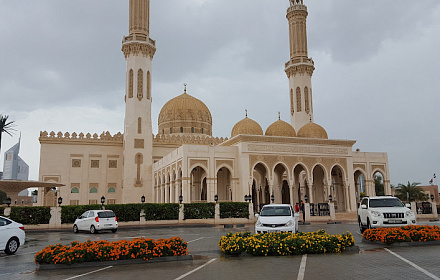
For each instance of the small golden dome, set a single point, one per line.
(312, 130)
(185, 114)
(281, 128)
(246, 126)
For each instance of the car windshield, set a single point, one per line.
(385, 202)
(107, 214)
(275, 211)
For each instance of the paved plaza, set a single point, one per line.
(372, 261)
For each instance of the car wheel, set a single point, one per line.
(12, 246)
(361, 226)
(75, 229)
(93, 229)
(114, 230)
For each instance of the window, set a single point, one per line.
(202, 130)
(306, 99)
(111, 201)
(93, 201)
(140, 84)
(292, 104)
(74, 190)
(148, 85)
(74, 202)
(111, 190)
(93, 190)
(181, 130)
(171, 130)
(192, 129)
(298, 99)
(130, 84)
(139, 125)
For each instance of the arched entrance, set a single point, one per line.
(198, 184)
(300, 177)
(359, 180)
(260, 182)
(280, 184)
(337, 189)
(285, 193)
(379, 183)
(224, 190)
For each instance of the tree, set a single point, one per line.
(415, 193)
(6, 127)
(378, 185)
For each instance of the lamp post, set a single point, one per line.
(432, 197)
(8, 201)
(216, 198)
(272, 198)
(143, 199)
(60, 200)
(181, 199)
(330, 198)
(306, 198)
(102, 200)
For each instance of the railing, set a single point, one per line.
(424, 207)
(320, 209)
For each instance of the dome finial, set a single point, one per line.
(246, 112)
(185, 84)
(279, 115)
(310, 118)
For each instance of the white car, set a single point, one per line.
(96, 220)
(277, 218)
(12, 235)
(384, 211)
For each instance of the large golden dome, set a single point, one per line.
(281, 128)
(312, 130)
(246, 126)
(185, 114)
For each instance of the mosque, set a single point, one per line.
(287, 163)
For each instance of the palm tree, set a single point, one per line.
(411, 189)
(6, 127)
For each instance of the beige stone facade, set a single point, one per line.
(286, 164)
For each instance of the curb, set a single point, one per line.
(43, 267)
(402, 244)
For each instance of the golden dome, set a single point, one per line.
(312, 130)
(185, 114)
(281, 128)
(246, 126)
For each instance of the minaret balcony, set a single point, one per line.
(298, 61)
(138, 38)
(297, 7)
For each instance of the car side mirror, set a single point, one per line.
(80, 217)
(408, 205)
(257, 215)
(363, 206)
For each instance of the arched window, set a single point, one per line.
(192, 129)
(93, 190)
(74, 190)
(181, 130)
(306, 99)
(148, 85)
(202, 131)
(171, 130)
(130, 83)
(111, 190)
(140, 83)
(298, 99)
(139, 125)
(292, 104)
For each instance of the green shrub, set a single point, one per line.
(2, 211)
(126, 212)
(234, 210)
(161, 211)
(199, 211)
(69, 213)
(31, 215)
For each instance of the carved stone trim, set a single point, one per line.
(135, 48)
(76, 163)
(112, 164)
(139, 143)
(296, 150)
(94, 163)
(288, 140)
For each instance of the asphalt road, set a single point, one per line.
(372, 262)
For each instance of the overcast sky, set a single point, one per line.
(376, 81)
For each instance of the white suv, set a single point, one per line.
(96, 220)
(384, 211)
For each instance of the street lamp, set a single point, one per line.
(8, 201)
(330, 198)
(102, 200)
(181, 199)
(272, 198)
(306, 198)
(216, 198)
(432, 197)
(143, 199)
(60, 200)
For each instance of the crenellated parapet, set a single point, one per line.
(81, 138)
(182, 139)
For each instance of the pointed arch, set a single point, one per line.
(140, 84)
(306, 99)
(130, 83)
(298, 99)
(292, 104)
(148, 85)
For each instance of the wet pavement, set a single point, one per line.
(372, 262)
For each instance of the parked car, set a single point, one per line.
(277, 218)
(12, 235)
(384, 211)
(96, 220)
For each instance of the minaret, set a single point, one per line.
(138, 50)
(300, 67)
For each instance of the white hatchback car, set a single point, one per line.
(96, 220)
(12, 235)
(277, 218)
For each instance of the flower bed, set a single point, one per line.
(403, 234)
(92, 251)
(282, 244)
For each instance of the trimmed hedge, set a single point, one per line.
(234, 210)
(199, 211)
(31, 215)
(161, 211)
(126, 212)
(2, 211)
(69, 213)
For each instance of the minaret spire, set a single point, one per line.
(140, 17)
(300, 67)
